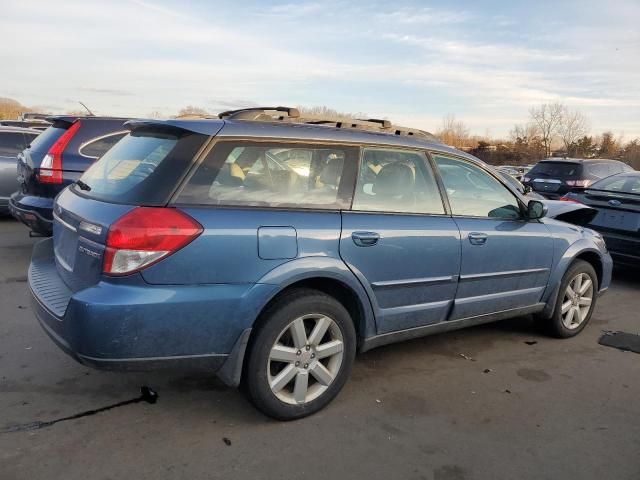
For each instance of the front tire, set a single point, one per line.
(300, 355)
(576, 301)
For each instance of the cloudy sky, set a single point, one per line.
(413, 62)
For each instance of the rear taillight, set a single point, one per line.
(51, 166)
(568, 199)
(578, 183)
(145, 235)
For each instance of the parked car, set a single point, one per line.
(617, 201)
(12, 141)
(524, 190)
(515, 171)
(553, 178)
(269, 248)
(56, 159)
(34, 124)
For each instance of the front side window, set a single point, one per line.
(396, 181)
(475, 193)
(273, 174)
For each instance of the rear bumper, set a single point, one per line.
(35, 212)
(131, 325)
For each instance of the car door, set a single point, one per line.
(399, 241)
(506, 259)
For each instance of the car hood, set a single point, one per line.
(570, 212)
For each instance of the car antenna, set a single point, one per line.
(87, 109)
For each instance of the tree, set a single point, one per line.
(584, 147)
(573, 125)
(191, 111)
(526, 143)
(631, 154)
(10, 109)
(453, 132)
(609, 147)
(326, 112)
(547, 117)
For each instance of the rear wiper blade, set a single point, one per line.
(83, 186)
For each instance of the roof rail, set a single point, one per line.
(254, 113)
(292, 115)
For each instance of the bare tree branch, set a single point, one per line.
(547, 117)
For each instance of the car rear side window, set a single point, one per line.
(396, 181)
(287, 175)
(473, 192)
(47, 138)
(142, 169)
(97, 147)
(11, 144)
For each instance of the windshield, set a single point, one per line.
(619, 183)
(142, 168)
(555, 170)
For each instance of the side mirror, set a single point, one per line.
(536, 210)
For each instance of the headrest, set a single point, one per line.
(394, 179)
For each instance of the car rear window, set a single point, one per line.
(47, 138)
(556, 170)
(143, 168)
(275, 174)
(619, 183)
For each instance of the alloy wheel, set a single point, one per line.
(305, 359)
(577, 300)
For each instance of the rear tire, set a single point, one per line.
(300, 355)
(575, 302)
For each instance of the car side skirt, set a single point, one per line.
(446, 326)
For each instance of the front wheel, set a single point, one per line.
(301, 355)
(575, 302)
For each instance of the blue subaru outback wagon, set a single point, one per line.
(269, 248)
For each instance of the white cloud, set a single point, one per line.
(130, 57)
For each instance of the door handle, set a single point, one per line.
(477, 238)
(365, 239)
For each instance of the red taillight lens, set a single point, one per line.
(578, 183)
(51, 166)
(145, 235)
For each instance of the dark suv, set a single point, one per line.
(554, 178)
(56, 159)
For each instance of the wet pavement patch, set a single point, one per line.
(627, 342)
(146, 395)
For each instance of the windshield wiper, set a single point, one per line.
(83, 186)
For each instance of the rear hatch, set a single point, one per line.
(617, 212)
(30, 159)
(132, 181)
(64, 151)
(554, 177)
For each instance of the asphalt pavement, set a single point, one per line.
(498, 401)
